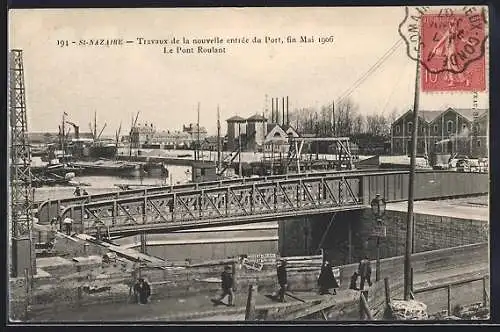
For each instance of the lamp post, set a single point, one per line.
(378, 209)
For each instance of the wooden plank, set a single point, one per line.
(364, 306)
(456, 283)
(311, 310)
(250, 308)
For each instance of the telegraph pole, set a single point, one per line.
(411, 187)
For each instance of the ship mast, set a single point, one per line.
(63, 135)
(218, 140)
(197, 145)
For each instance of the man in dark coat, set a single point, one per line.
(326, 280)
(354, 281)
(142, 291)
(77, 192)
(227, 285)
(365, 272)
(282, 280)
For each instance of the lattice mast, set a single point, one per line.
(20, 171)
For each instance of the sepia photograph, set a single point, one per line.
(248, 164)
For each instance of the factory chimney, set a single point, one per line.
(283, 110)
(287, 114)
(277, 110)
(272, 110)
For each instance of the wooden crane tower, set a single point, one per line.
(21, 194)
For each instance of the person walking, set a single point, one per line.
(365, 272)
(142, 291)
(227, 286)
(354, 281)
(326, 280)
(282, 280)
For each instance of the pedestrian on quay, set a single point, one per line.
(142, 291)
(77, 192)
(282, 280)
(326, 280)
(85, 193)
(354, 281)
(365, 272)
(227, 286)
(67, 225)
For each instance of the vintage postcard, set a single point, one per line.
(243, 164)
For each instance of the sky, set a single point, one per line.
(117, 82)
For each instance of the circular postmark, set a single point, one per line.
(444, 39)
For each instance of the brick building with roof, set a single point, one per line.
(449, 131)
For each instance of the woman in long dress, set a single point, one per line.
(326, 280)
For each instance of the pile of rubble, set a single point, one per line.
(475, 311)
(408, 310)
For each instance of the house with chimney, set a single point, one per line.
(453, 130)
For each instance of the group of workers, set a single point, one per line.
(326, 280)
(80, 192)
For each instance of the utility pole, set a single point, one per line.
(411, 187)
(219, 166)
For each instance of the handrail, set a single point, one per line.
(208, 190)
(450, 284)
(224, 181)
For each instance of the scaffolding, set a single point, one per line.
(342, 149)
(21, 193)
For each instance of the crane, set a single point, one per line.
(76, 128)
(21, 193)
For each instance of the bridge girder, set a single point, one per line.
(217, 205)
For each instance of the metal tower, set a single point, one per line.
(21, 194)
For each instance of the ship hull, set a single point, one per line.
(102, 151)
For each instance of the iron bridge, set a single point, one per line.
(263, 200)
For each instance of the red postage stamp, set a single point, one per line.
(453, 52)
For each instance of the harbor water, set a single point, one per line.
(102, 184)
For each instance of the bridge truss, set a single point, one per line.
(244, 203)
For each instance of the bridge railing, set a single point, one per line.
(260, 201)
(255, 201)
(51, 208)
